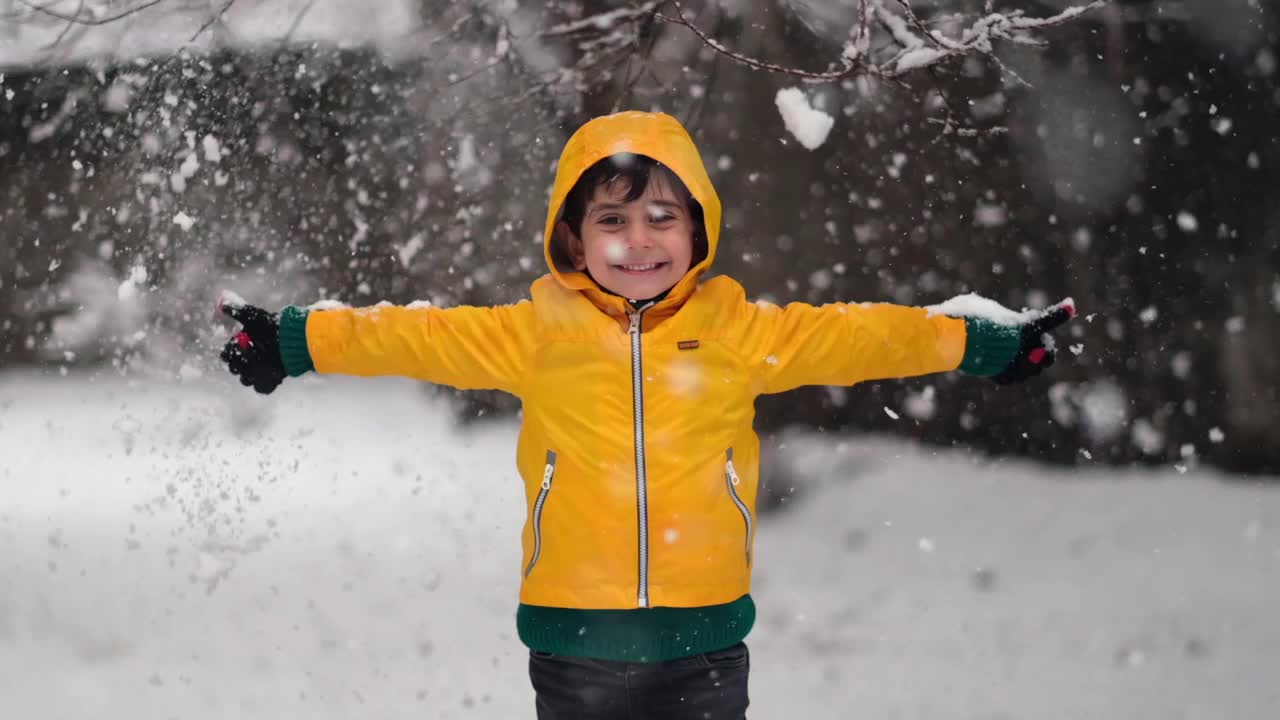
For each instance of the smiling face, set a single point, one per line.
(637, 249)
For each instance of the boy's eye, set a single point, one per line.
(611, 220)
(660, 217)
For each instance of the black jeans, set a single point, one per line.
(710, 686)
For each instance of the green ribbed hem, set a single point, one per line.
(293, 341)
(989, 347)
(641, 635)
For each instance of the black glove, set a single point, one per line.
(1036, 351)
(254, 352)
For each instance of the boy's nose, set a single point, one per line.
(638, 237)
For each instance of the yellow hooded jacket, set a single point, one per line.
(639, 461)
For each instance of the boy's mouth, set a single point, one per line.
(641, 268)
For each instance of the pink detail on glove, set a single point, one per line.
(1036, 356)
(242, 339)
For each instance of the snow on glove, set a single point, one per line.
(1036, 350)
(254, 352)
(1004, 345)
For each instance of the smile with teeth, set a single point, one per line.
(645, 267)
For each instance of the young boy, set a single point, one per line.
(638, 385)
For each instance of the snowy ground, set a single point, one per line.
(338, 550)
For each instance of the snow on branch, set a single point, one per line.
(908, 44)
(603, 21)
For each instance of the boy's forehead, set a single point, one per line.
(615, 190)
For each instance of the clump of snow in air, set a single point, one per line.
(921, 405)
(1187, 222)
(117, 97)
(132, 285)
(1181, 364)
(892, 415)
(1061, 404)
(989, 215)
(1146, 437)
(1105, 409)
(212, 149)
(410, 249)
(189, 166)
(183, 220)
(808, 125)
(466, 153)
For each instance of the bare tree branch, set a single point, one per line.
(78, 17)
(629, 83)
(911, 44)
(851, 66)
(65, 30)
(452, 33)
(213, 19)
(297, 21)
(501, 50)
(887, 40)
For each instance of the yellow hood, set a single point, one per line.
(658, 136)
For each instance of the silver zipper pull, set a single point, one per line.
(733, 474)
(546, 476)
(635, 317)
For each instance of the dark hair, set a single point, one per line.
(636, 171)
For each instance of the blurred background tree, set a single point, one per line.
(152, 153)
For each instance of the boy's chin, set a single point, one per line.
(638, 290)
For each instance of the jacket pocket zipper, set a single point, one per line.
(731, 480)
(548, 473)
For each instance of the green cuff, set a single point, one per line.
(989, 347)
(293, 341)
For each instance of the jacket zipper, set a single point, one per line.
(547, 473)
(732, 480)
(642, 489)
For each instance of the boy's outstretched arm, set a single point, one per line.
(847, 343)
(465, 347)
